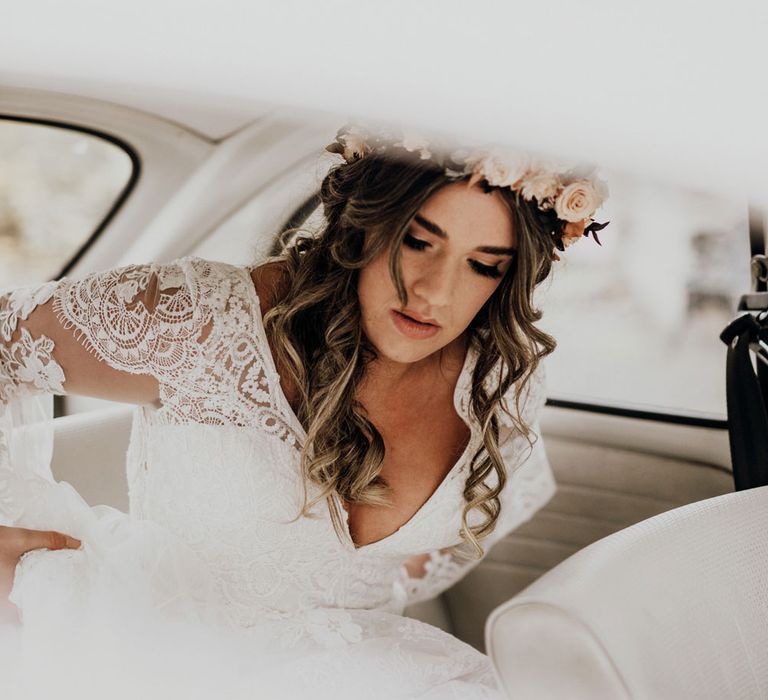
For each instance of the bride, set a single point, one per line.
(319, 441)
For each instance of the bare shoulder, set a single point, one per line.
(271, 282)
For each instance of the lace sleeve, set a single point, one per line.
(84, 336)
(172, 335)
(27, 364)
(113, 335)
(529, 486)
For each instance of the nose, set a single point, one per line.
(434, 284)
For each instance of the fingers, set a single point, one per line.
(36, 539)
(57, 540)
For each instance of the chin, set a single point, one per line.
(404, 351)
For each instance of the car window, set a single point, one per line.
(56, 187)
(637, 319)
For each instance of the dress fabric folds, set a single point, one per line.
(211, 586)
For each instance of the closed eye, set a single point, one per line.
(415, 243)
(419, 244)
(485, 270)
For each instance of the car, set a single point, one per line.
(99, 173)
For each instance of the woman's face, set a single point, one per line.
(454, 256)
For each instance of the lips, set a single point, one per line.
(419, 318)
(411, 327)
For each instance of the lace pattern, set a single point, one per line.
(217, 463)
(26, 365)
(191, 325)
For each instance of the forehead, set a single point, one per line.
(470, 215)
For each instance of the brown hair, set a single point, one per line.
(315, 330)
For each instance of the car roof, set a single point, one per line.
(663, 89)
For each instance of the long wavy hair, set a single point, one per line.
(316, 333)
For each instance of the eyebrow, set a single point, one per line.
(432, 227)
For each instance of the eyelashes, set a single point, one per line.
(483, 270)
(415, 243)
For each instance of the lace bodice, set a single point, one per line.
(216, 460)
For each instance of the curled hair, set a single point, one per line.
(316, 332)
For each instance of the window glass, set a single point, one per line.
(637, 319)
(56, 186)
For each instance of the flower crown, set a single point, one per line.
(566, 197)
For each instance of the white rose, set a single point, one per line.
(354, 143)
(577, 201)
(541, 186)
(412, 141)
(498, 172)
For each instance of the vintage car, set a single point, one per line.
(126, 158)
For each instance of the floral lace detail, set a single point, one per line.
(17, 304)
(192, 325)
(441, 570)
(26, 365)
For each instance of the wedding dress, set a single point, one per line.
(212, 586)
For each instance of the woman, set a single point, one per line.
(321, 440)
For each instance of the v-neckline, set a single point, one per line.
(460, 388)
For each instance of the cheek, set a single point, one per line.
(413, 265)
(474, 296)
(374, 287)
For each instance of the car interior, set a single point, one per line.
(635, 426)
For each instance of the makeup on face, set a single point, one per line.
(458, 247)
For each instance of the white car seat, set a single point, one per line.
(673, 607)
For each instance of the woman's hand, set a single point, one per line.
(15, 541)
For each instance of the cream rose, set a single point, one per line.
(499, 173)
(541, 186)
(412, 141)
(577, 201)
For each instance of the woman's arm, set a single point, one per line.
(101, 336)
(112, 335)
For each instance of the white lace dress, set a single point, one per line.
(211, 586)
